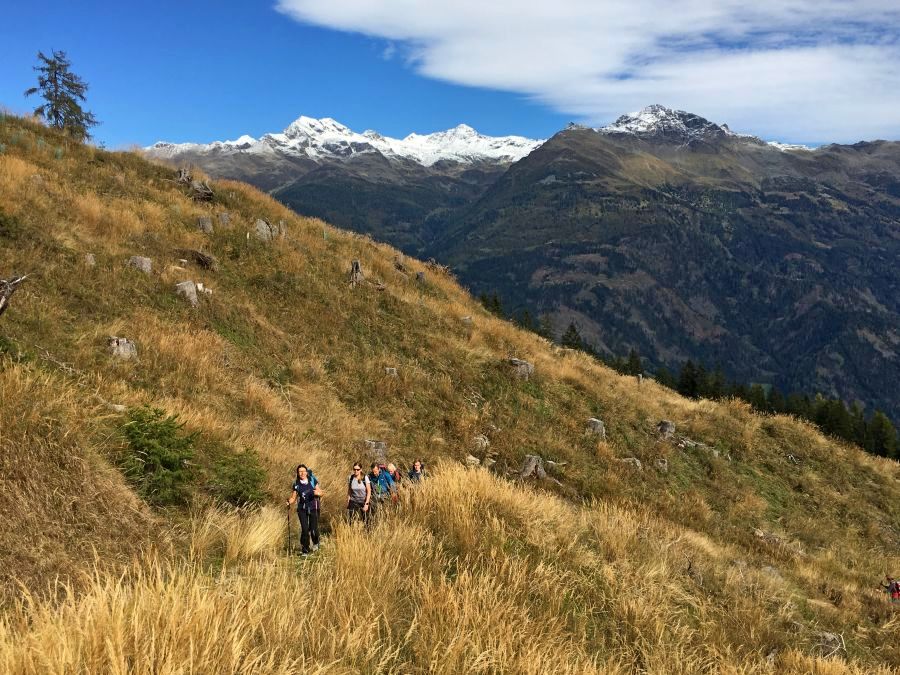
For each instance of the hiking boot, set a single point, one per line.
(315, 547)
(303, 554)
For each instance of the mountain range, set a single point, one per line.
(662, 231)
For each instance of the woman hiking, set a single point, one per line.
(417, 472)
(306, 493)
(359, 495)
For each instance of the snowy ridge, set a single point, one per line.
(320, 139)
(657, 120)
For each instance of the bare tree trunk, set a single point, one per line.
(7, 288)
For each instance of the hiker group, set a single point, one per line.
(366, 495)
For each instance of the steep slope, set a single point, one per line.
(671, 234)
(736, 546)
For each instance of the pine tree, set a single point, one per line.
(526, 321)
(859, 428)
(687, 380)
(716, 384)
(572, 338)
(757, 397)
(665, 378)
(634, 365)
(497, 305)
(545, 327)
(882, 435)
(62, 91)
(775, 400)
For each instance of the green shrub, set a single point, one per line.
(10, 227)
(157, 459)
(238, 479)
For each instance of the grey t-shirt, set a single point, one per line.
(358, 489)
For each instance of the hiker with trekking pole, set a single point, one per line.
(383, 487)
(307, 494)
(359, 495)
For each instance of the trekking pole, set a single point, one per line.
(290, 545)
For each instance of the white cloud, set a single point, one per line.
(798, 70)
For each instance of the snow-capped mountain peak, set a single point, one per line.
(326, 138)
(659, 120)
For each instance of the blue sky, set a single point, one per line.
(807, 71)
(197, 71)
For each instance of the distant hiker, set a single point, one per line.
(396, 476)
(382, 486)
(306, 493)
(395, 473)
(359, 495)
(893, 588)
(417, 472)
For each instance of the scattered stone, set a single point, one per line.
(767, 537)
(201, 191)
(398, 264)
(687, 444)
(553, 466)
(522, 369)
(830, 644)
(264, 231)
(467, 321)
(662, 465)
(472, 461)
(390, 371)
(596, 426)
(481, 442)
(489, 462)
(122, 348)
(533, 466)
(201, 259)
(377, 449)
(90, 260)
(116, 407)
(666, 429)
(420, 277)
(188, 289)
(205, 225)
(356, 275)
(37, 179)
(183, 262)
(224, 218)
(633, 461)
(145, 265)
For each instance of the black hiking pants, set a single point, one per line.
(309, 527)
(355, 512)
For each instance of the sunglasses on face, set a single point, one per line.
(355, 469)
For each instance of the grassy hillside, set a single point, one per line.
(760, 536)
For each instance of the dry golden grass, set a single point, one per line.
(539, 586)
(613, 570)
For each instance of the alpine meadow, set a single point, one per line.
(178, 344)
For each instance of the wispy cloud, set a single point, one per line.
(798, 70)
